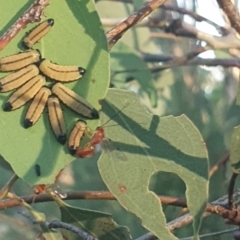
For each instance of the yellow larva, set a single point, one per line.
(37, 106)
(74, 101)
(20, 60)
(76, 135)
(61, 73)
(24, 93)
(38, 32)
(17, 79)
(56, 119)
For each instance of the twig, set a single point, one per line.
(117, 32)
(230, 40)
(8, 186)
(199, 61)
(212, 234)
(231, 12)
(59, 224)
(215, 167)
(226, 63)
(181, 60)
(194, 62)
(69, 227)
(195, 16)
(32, 14)
(94, 195)
(147, 22)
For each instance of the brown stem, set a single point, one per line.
(231, 12)
(215, 167)
(33, 14)
(117, 32)
(194, 15)
(90, 195)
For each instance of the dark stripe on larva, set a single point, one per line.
(77, 100)
(26, 91)
(14, 79)
(56, 113)
(38, 33)
(37, 105)
(18, 60)
(60, 71)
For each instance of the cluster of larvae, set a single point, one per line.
(29, 75)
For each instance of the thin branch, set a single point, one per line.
(59, 224)
(33, 14)
(161, 34)
(8, 186)
(217, 207)
(147, 22)
(210, 62)
(232, 13)
(94, 195)
(215, 167)
(195, 16)
(69, 227)
(117, 32)
(212, 234)
(226, 63)
(179, 28)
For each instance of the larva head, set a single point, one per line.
(7, 107)
(62, 139)
(27, 123)
(94, 114)
(50, 22)
(82, 71)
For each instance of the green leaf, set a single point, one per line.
(97, 224)
(126, 59)
(77, 38)
(151, 144)
(235, 150)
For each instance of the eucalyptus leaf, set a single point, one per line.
(97, 224)
(77, 38)
(151, 144)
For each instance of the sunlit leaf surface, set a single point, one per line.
(77, 38)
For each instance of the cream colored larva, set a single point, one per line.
(74, 101)
(61, 73)
(37, 33)
(17, 79)
(37, 106)
(24, 93)
(56, 119)
(20, 60)
(76, 135)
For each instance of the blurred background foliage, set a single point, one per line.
(205, 94)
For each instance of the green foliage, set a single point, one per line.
(98, 224)
(152, 144)
(77, 38)
(145, 144)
